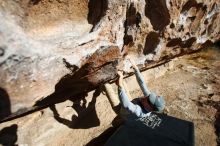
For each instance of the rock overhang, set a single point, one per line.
(40, 37)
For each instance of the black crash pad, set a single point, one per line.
(154, 130)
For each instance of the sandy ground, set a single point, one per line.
(190, 85)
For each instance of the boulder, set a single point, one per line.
(53, 49)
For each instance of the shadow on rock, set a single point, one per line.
(8, 135)
(116, 123)
(97, 9)
(87, 116)
(95, 71)
(104, 136)
(5, 105)
(98, 69)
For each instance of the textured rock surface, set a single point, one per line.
(189, 84)
(63, 47)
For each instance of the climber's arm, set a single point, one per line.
(140, 79)
(112, 97)
(124, 100)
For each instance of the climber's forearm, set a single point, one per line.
(141, 82)
(124, 100)
(140, 78)
(127, 104)
(120, 83)
(112, 97)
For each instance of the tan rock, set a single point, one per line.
(43, 41)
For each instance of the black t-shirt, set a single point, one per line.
(154, 130)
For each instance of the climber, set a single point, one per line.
(142, 124)
(142, 106)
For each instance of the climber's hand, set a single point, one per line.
(120, 79)
(133, 63)
(120, 74)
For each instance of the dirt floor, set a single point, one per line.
(192, 92)
(190, 85)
